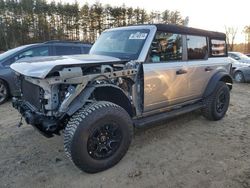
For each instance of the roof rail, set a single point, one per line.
(62, 41)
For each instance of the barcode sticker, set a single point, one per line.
(138, 36)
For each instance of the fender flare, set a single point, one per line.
(80, 100)
(219, 76)
(85, 95)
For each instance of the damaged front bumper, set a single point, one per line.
(47, 126)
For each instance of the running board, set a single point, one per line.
(147, 121)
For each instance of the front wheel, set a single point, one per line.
(98, 136)
(4, 93)
(216, 105)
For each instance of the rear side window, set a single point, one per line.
(218, 48)
(86, 50)
(197, 47)
(67, 50)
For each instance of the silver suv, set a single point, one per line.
(133, 77)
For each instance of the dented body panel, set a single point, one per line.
(40, 67)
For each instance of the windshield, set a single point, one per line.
(123, 44)
(10, 52)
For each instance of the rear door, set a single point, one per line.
(199, 67)
(201, 64)
(165, 81)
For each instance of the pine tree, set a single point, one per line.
(29, 21)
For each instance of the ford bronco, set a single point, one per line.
(133, 77)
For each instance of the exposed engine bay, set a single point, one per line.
(46, 103)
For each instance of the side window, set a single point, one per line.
(197, 47)
(234, 56)
(86, 50)
(166, 47)
(67, 50)
(218, 48)
(8, 62)
(39, 51)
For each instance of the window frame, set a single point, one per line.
(34, 48)
(148, 61)
(208, 48)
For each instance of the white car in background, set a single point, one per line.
(239, 57)
(241, 71)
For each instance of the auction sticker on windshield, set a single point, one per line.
(138, 35)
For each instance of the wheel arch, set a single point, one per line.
(114, 95)
(219, 76)
(105, 92)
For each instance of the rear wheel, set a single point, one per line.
(217, 103)
(4, 92)
(98, 136)
(239, 77)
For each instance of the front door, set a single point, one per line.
(165, 81)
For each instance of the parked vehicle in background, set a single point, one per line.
(247, 55)
(239, 57)
(50, 48)
(240, 71)
(133, 76)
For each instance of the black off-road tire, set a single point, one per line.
(4, 92)
(211, 109)
(84, 123)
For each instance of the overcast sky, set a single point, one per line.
(209, 14)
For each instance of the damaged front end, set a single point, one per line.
(47, 102)
(31, 104)
(45, 124)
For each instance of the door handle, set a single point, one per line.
(181, 71)
(208, 69)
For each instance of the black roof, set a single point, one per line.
(66, 42)
(189, 30)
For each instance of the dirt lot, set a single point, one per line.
(185, 152)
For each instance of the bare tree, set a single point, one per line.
(247, 38)
(230, 34)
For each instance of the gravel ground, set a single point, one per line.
(188, 151)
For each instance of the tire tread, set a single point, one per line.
(76, 121)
